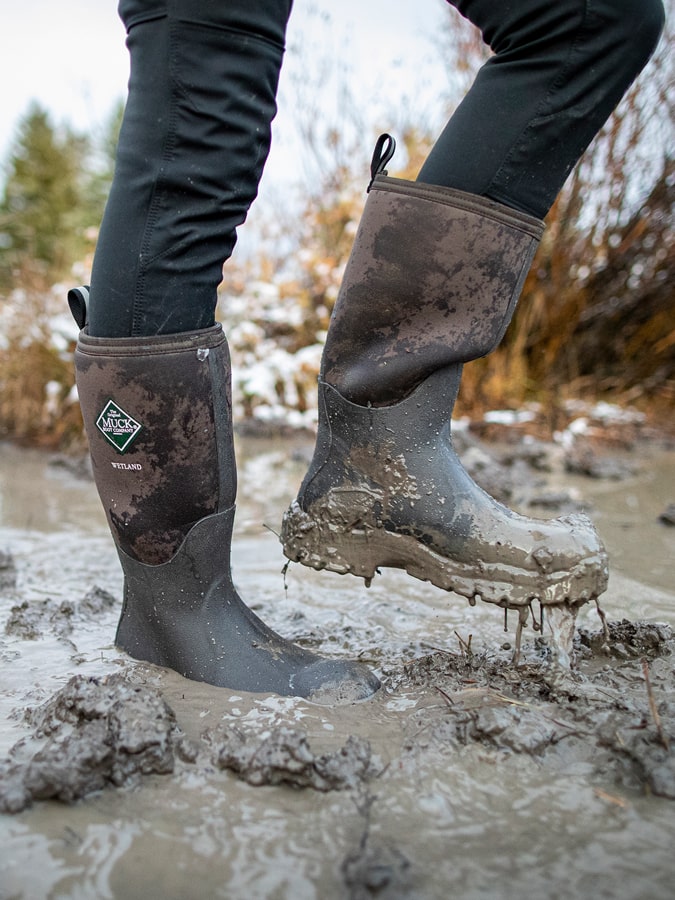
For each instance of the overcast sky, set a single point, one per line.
(70, 54)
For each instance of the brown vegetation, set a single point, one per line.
(597, 314)
(36, 378)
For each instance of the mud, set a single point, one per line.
(29, 620)
(98, 733)
(283, 756)
(668, 515)
(464, 776)
(613, 710)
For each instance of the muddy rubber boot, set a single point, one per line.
(157, 413)
(431, 283)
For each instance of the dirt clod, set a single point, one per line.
(283, 756)
(7, 571)
(628, 640)
(584, 460)
(375, 871)
(667, 517)
(30, 619)
(98, 732)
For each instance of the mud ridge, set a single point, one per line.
(98, 732)
(614, 711)
(108, 732)
(29, 620)
(283, 756)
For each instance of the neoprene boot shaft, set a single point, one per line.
(162, 458)
(433, 278)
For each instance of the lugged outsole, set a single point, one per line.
(362, 552)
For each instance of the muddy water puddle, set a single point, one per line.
(468, 778)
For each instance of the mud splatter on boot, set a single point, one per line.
(431, 283)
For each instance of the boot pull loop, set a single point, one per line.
(78, 301)
(383, 152)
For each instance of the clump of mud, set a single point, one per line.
(626, 640)
(106, 732)
(514, 474)
(614, 711)
(667, 517)
(7, 571)
(373, 869)
(283, 756)
(30, 619)
(98, 732)
(583, 459)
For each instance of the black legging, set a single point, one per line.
(196, 132)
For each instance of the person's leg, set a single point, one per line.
(152, 368)
(558, 70)
(432, 281)
(194, 140)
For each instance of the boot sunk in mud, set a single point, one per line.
(431, 283)
(158, 418)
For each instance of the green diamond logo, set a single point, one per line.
(117, 426)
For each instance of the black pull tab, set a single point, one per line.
(383, 152)
(78, 301)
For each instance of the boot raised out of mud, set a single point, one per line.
(431, 283)
(158, 418)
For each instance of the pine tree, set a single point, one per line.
(40, 211)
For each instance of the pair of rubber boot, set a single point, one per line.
(431, 283)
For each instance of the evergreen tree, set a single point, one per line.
(40, 211)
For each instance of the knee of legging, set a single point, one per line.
(632, 29)
(626, 30)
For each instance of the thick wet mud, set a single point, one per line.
(464, 776)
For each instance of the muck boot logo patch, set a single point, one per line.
(117, 426)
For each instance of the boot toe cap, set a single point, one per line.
(333, 682)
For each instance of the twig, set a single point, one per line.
(610, 798)
(447, 697)
(465, 645)
(438, 649)
(652, 706)
(603, 620)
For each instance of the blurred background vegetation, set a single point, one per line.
(596, 319)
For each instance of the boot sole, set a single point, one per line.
(363, 551)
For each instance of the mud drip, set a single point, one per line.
(556, 626)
